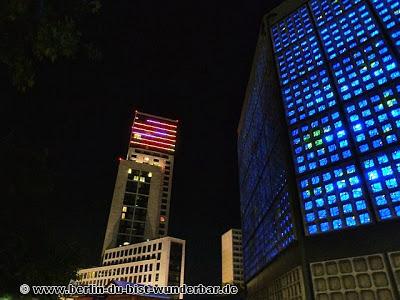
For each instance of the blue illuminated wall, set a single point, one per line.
(338, 68)
(267, 226)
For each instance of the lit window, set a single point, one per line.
(320, 142)
(377, 129)
(383, 172)
(348, 31)
(389, 13)
(328, 193)
(370, 66)
(325, 10)
(292, 29)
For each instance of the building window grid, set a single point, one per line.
(274, 234)
(388, 12)
(294, 61)
(320, 142)
(307, 96)
(375, 120)
(367, 67)
(326, 10)
(348, 31)
(334, 199)
(382, 171)
(389, 70)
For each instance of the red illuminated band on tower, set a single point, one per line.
(153, 133)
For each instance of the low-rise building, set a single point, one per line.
(156, 262)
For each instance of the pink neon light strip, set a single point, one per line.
(134, 142)
(157, 142)
(169, 130)
(153, 131)
(159, 123)
(153, 136)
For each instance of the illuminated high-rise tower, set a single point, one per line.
(319, 153)
(140, 204)
(136, 246)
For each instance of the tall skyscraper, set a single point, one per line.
(319, 154)
(136, 246)
(140, 205)
(232, 258)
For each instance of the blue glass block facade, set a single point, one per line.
(320, 142)
(308, 96)
(326, 10)
(334, 199)
(273, 234)
(263, 168)
(343, 109)
(382, 171)
(298, 59)
(337, 63)
(292, 29)
(368, 67)
(389, 14)
(375, 120)
(348, 31)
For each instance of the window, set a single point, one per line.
(334, 199)
(389, 14)
(369, 66)
(320, 142)
(291, 29)
(382, 171)
(375, 120)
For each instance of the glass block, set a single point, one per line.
(371, 65)
(318, 143)
(291, 29)
(382, 172)
(333, 200)
(375, 120)
(348, 31)
(271, 236)
(389, 14)
(310, 95)
(298, 59)
(325, 11)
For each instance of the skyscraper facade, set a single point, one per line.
(136, 247)
(319, 154)
(232, 258)
(140, 205)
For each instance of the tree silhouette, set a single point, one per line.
(33, 32)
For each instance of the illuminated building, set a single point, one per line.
(319, 154)
(136, 247)
(160, 261)
(232, 258)
(140, 205)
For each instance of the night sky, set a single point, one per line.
(186, 60)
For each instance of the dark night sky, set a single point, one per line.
(188, 60)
